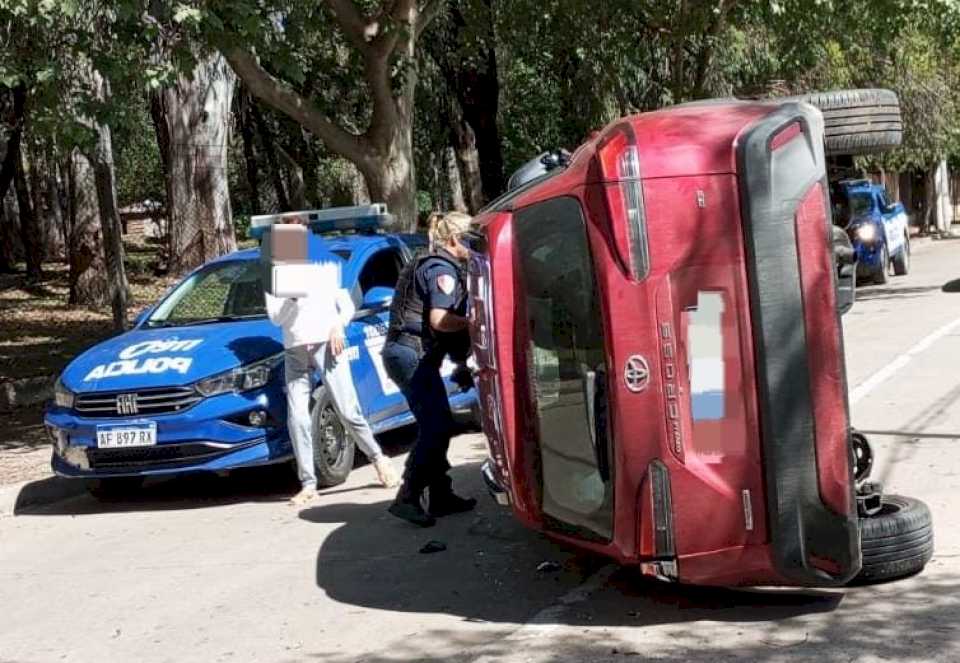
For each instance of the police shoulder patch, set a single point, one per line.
(446, 283)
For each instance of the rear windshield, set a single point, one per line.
(223, 291)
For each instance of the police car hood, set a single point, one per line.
(171, 356)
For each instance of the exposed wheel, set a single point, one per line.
(901, 262)
(858, 121)
(897, 541)
(333, 448)
(113, 488)
(882, 273)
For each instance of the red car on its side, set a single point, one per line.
(660, 354)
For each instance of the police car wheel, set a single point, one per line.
(901, 263)
(113, 488)
(882, 274)
(333, 448)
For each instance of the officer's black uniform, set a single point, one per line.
(412, 356)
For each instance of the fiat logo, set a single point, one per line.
(127, 404)
(636, 374)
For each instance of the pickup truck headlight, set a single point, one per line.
(62, 396)
(243, 378)
(867, 232)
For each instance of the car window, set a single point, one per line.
(223, 290)
(860, 204)
(882, 199)
(381, 270)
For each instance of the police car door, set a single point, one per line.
(380, 398)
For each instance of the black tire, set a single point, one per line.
(896, 542)
(882, 273)
(901, 263)
(333, 448)
(113, 488)
(858, 121)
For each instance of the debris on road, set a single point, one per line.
(433, 547)
(548, 567)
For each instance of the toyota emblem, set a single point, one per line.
(636, 374)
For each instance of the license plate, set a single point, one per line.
(128, 435)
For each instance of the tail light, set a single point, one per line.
(619, 160)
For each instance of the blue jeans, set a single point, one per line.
(423, 387)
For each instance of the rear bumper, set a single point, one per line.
(812, 542)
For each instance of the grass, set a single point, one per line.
(40, 332)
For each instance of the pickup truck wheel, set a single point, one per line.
(897, 541)
(113, 488)
(858, 121)
(333, 448)
(882, 274)
(901, 263)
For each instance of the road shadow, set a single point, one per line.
(489, 572)
(951, 286)
(272, 483)
(867, 293)
(55, 496)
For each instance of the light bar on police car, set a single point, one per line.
(358, 218)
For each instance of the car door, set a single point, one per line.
(380, 397)
(894, 223)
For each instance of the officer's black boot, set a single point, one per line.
(407, 506)
(444, 502)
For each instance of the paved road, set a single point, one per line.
(223, 570)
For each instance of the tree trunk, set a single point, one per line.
(269, 147)
(457, 200)
(11, 151)
(468, 159)
(103, 170)
(56, 233)
(295, 184)
(250, 150)
(88, 270)
(197, 116)
(8, 236)
(30, 234)
(356, 185)
(473, 79)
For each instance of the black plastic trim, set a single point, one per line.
(802, 529)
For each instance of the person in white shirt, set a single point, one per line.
(313, 334)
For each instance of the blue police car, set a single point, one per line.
(197, 383)
(877, 229)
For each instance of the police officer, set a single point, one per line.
(428, 323)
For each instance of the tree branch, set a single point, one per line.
(357, 29)
(259, 81)
(429, 12)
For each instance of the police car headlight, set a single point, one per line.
(244, 378)
(62, 396)
(867, 232)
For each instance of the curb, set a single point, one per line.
(15, 498)
(25, 391)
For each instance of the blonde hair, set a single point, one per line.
(442, 227)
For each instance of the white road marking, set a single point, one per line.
(548, 620)
(899, 362)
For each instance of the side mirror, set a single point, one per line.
(376, 298)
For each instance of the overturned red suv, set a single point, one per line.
(660, 353)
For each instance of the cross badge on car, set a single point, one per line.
(636, 374)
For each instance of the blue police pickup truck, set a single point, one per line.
(197, 383)
(876, 226)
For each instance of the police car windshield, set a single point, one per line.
(221, 292)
